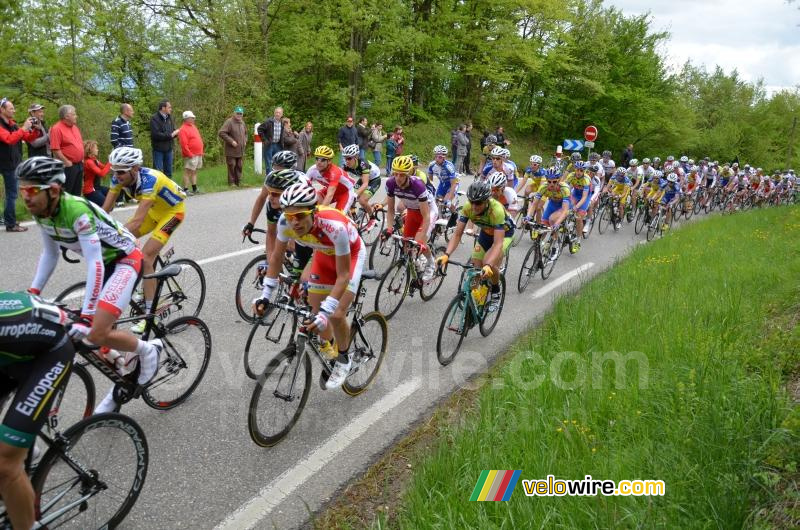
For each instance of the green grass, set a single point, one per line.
(712, 312)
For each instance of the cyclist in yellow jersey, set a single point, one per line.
(160, 211)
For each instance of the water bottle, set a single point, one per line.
(422, 262)
(123, 363)
(479, 294)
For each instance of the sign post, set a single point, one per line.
(590, 135)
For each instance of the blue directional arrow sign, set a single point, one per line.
(573, 145)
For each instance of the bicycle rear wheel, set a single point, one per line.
(392, 289)
(604, 218)
(382, 255)
(186, 292)
(368, 341)
(489, 320)
(249, 286)
(183, 362)
(529, 267)
(279, 397)
(452, 330)
(114, 449)
(72, 296)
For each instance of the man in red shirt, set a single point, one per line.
(192, 151)
(66, 143)
(11, 137)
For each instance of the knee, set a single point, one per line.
(11, 464)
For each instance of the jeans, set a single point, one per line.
(9, 211)
(362, 154)
(377, 156)
(97, 197)
(268, 154)
(162, 161)
(389, 160)
(74, 179)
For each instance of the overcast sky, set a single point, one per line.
(760, 38)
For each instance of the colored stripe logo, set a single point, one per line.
(495, 485)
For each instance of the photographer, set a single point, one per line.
(40, 145)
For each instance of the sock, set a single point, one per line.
(141, 348)
(342, 358)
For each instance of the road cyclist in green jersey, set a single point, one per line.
(494, 239)
(112, 258)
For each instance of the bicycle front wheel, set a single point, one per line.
(529, 267)
(639, 222)
(551, 250)
(186, 292)
(489, 319)
(113, 448)
(266, 336)
(279, 397)
(369, 338)
(604, 218)
(454, 327)
(429, 289)
(74, 403)
(393, 289)
(184, 360)
(382, 254)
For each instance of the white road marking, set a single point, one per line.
(124, 209)
(253, 511)
(221, 257)
(562, 280)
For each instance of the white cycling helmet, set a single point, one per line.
(350, 150)
(125, 158)
(506, 153)
(536, 159)
(497, 179)
(440, 150)
(672, 177)
(497, 151)
(300, 194)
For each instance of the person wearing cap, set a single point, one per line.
(11, 136)
(233, 134)
(40, 146)
(192, 151)
(162, 133)
(121, 130)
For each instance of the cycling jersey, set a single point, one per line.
(334, 176)
(446, 173)
(579, 183)
(494, 217)
(153, 185)
(509, 199)
(536, 177)
(363, 167)
(608, 166)
(559, 195)
(412, 195)
(509, 169)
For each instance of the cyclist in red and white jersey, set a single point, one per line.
(337, 185)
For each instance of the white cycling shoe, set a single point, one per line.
(339, 374)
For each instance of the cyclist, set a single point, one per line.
(671, 195)
(445, 172)
(557, 195)
(336, 267)
(113, 261)
(494, 239)
(596, 183)
(160, 211)
(504, 193)
(500, 163)
(579, 199)
(367, 174)
(620, 187)
(574, 157)
(420, 207)
(609, 166)
(491, 143)
(35, 358)
(337, 186)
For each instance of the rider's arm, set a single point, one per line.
(111, 200)
(342, 276)
(258, 206)
(329, 195)
(585, 197)
(47, 263)
(495, 253)
(138, 218)
(455, 239)
(364, 184)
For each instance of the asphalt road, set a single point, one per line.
(205, 472)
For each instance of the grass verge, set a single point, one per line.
(679, 364)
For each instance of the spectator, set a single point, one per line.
(399, 139)
(40, 146)
(121, 130)
(66, 143)
(627, 155)
(162, 133)
(93, 173)
(502, 141)
(304, 150)
(454, 143)
(363, 138)
(377, 137)
(461, 148)
(468, 134)
(394, 147)
(483, 139)
(290, 138)
(271, 133)
(234, 135)
(11, 137)
(192, 151)
(348, 135)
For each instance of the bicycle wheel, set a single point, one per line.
(653, 227)
(604, 219)
(687, 211)
(489, 320)
(429, 289)
(184, 360)
(520, 231)
(266, 336)
(639, 221)
(454, 327)
(113, 448)
(529, 267)
(382, 255)
(550, 251)
(74, 403)
(368, 341)
(249, 286)
(279, 397)
(72, 296)
(186, 291)
(392, 289)
(371, 235)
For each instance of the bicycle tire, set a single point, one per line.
(520, 230)
(551, 251)
(429, 290)
(72, 296)
(605, 216)
(528, 269)
(75, 403)
(639, 222)
(53, 466)
(173, 361)
(396, 280)
(456, 313)
(279, 367)
(488, 321)
(186, 287)
(652, 227)
(248, 275)
(382, 255)
(688, 212)
(362, 348)
(251, 349)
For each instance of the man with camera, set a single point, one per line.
(40, 145)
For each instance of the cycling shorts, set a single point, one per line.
(372, 188)
(47, 355)
(577, 195)
(668, 198)
(551, 208)
(119, 280)
(485, 242)
(161, 228)
(342, 199)
(323, 271)
(444, 187)
(413, 222)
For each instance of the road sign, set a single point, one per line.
(588, 145)
(590, 133)
(573, 145)
(366, 103)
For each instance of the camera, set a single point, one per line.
(34, 120)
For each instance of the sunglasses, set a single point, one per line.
(552, 182)
(297, 216)
(32, 190)
(350, 157)
(320, 159)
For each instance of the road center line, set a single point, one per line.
(230, 255)
(253, 511)
(562, 280)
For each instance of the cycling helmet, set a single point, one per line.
(684, 159)
(656, 160)
(42, 170)
(670, 158)
(595, 167)
(634, 162)
(645, 160)
(125, 158)
(497, 151)
(479, 191)
(299, 194)
(672, 177)
(440, 150)
(536, 159)
(402, 164)
(606, 153)
(659, 174)
(491, 139)
(506, 153)
(580, 165)
(283, 178)
(497, 179)
(350, 150)
(552, 173)
(414, 159)
(691, 161)
(669, 170)
(284, 159)
(575, 156)
(694, 169)
(620, 171)
(594, 157)
(323, 151)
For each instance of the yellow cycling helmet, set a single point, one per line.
(323, 151)
(402, 164)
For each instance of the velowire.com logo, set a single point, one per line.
(495, 485)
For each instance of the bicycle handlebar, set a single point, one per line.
(250, 235)
(68, 259)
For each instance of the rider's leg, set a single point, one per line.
(150, 251)
(15, 486)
